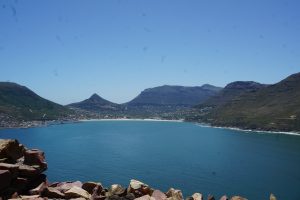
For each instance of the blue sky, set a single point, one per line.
(65, 50)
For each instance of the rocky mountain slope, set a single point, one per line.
(174, 95)
(95, 104)
(20, 103)
(271, 107)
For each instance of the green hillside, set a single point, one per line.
(273, 107)
(20, 103)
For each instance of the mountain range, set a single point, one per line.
(250, 105)
(20, 103)
(174, 95)
(242, 104)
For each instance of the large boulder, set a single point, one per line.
(13, 168)
(35, 157)
(29, 171)
(159, 195)
(77, 192)
(11, 150)
(139, 188)
(5, 179)
(173, 194)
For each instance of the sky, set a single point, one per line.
(66, 50)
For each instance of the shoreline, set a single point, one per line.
(247, 130)
(50, 123)
(133, 119)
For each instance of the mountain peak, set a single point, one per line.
(244, 85)
(94, 103)
(95, 96)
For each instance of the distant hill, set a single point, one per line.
(96, 104)
(267, 107)
(174, 95)
(231, 91)
(20, 103)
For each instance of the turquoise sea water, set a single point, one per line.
(170, 154)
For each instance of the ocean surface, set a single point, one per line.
(170, 154)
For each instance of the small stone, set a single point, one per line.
(116, 189)
(272, 197)
(174, 194)
(90, 186)
(210, 197)
(31, 197)
(224, 197)
(237, 198)
(197, 196)
(139, 188)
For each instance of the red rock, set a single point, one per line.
(13, 168)
(90, 186)
(5, 178)
(77, 192)
(11, 149)
(159, 195)
(35, 157)
(28, 171)
(64, 186)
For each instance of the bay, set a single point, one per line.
(170, 154)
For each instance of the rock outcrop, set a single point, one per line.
(21, 177)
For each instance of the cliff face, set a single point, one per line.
(21, 177)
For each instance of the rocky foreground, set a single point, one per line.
(21, 177)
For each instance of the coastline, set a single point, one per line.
(248, 130)
(36, 124)
(133, 119)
